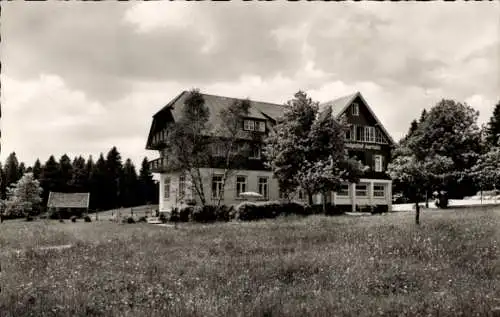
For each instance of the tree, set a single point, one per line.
(79, 177)
(450, 130)
(11, 169)
(21, 170)
(37, 169)
(114, 168)
(50, 177)
(493, 128)
(306, 152)
(486, 172)
(189, 142)
(98, 184)
(24, 197)
(423, 116)
(147, 188)
(228, 145)
(130, 184)
(3, 185)
(66, 173)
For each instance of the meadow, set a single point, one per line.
(315, 266)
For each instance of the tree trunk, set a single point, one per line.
(417, 212)
(426, 199)
(310, 198)
(324, 203)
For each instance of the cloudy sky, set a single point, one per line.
(80, 77)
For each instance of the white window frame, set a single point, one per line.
(379, 137)
(369, 134)
(248, 125)
(261, 126)
(263, 187)
(378, 163)
(380, 191)
(361, 192)
(166, 188)
(217, 180)
(344, 190)
(241, 186)
(355, 109)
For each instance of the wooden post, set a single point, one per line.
(353, 197)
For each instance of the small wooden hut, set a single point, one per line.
(68, 204)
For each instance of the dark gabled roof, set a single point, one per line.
(340, 105)
(258, 109)
(68, 200)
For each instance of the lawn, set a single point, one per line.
(315, 266)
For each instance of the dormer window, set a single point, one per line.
(253, 125)
(355, 109)
(249, 125)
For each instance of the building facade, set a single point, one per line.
(367, 139)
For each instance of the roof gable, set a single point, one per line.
(340, 105)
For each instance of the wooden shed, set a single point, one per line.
(68, 204)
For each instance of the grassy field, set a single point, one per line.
(315, 266)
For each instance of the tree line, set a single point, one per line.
(110, 182)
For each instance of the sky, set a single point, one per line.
(81, 77)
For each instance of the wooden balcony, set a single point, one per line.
(159, 139)
(158, 165)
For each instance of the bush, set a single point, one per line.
(248, 211)
(61, 220)
(142, 219)
(73, 218)
(87, 219)
(162, 217)
(129, 220)
(174, 215)
(29, 218)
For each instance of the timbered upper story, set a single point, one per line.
(366, 138)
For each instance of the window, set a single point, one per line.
(361, 190)
(369, 134)
(216, 186)
(378, 190)
(249, 125)
(255, 152)
(218, 150)
(166, 188)
(379, 137)
(344, 190)
(263, 190)
(348, 134)
(260, 126)
(182, 185)
(241, 185)
(378, 162)
(355, 109)
(360, 133)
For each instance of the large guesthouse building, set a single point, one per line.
(367, 139)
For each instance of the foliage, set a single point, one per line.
(130, 185)
(65, 172)
(11, 169)
(87, 219)
(250, 211)
(189, 143)
(114, 174)
(73, 218)
(487, 170)
(50, 177)
(24, 197)
(493, 129)
(228, 140)
(306, 149)
(147, 191)
(438, 155)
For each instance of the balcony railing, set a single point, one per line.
(158, 165)
(159, 138)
